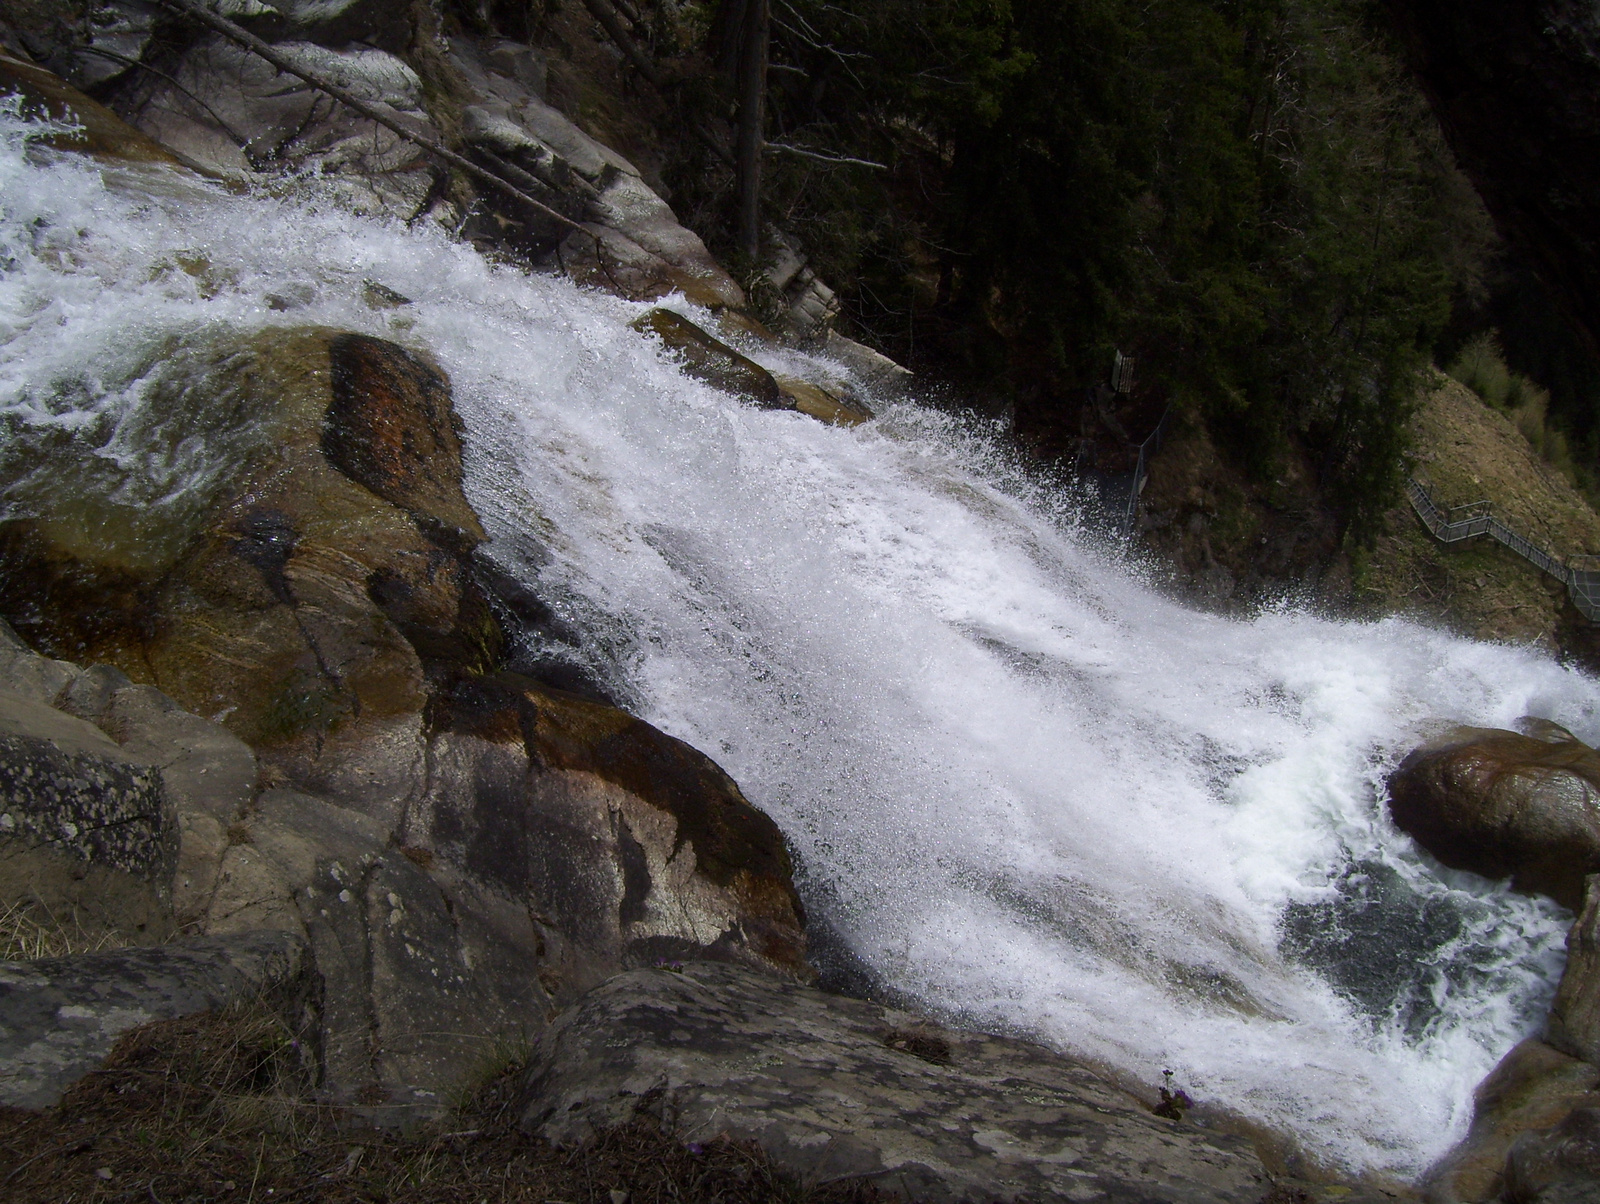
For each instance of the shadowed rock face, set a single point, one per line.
(834, 1088)
(1513, 86)
(1504, 805)
(632, 843)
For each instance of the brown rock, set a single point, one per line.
(822, 405)
(103, 133)
(301, 589)
(1559, 1166)
(1534, 1087)
(713, 361)
(1504, 805)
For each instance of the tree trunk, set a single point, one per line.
(754, 38)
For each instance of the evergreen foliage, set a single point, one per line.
(1248, 195)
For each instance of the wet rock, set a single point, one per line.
(286, 596)
(629, 845)
(1534, 1087)
(59, 1017)
(103, 133)
(833, 1088)
(822, 404)
(1557, 1166)
(711, 360)
(1506, 805)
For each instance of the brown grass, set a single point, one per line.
(30, 930)
(215, 1107)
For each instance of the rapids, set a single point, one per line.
(1026, 790)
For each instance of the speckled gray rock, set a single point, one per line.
(59, 1017)
(87, 831)
(816, 1079)
(100, 809)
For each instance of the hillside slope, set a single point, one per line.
(1468, 452)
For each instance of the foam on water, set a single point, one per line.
(1023, 787)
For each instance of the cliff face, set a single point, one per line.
(1513, 86)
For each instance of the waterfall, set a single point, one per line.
(1026, 790)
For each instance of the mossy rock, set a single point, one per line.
(297, 560)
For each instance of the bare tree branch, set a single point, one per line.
(788, 149)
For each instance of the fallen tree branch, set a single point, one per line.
(788, 149)
(255, 45)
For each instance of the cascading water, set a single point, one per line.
(1024, 789)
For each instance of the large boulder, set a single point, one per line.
(835, 1088)
(294, 589)
(1506, 805)
(1557, 1166)
(234, 113)
(495, 843)
(59, 1017)
(1535, 1087)
(631, 845)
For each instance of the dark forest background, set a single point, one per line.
(1250, 198)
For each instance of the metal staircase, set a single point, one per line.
(1475, 521)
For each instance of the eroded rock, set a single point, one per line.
(834, 1088)
(1506, 805)
(629, 845)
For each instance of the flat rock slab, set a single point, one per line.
(60, 1016)
(835, 1088)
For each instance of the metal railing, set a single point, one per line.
(1581, 577)
(1141, 470)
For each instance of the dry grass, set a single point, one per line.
(30, 930)
(215, 1108)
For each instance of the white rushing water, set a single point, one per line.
(1028, 791)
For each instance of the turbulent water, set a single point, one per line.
(1026, 790)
